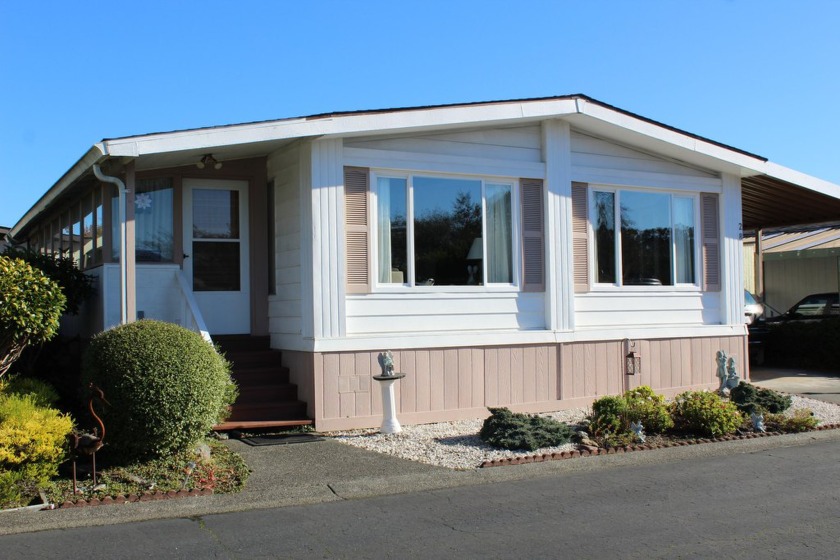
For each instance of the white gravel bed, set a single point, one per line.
(456, 445)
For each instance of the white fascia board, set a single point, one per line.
(93, 156)
(339, 125)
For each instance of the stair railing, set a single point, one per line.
(192, 318)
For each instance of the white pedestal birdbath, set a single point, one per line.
(390, 424)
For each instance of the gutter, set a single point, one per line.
(123, 240)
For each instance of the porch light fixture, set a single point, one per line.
(632, 360)
(208, 159)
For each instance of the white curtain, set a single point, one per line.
(499, 230)
(153, 218)
(684, 239)
(383, 221)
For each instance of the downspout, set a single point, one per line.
(123, 245)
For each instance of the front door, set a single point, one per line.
(216, 252)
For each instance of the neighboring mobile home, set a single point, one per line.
(508, 253)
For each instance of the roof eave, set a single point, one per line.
(94, 155)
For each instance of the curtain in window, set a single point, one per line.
(153, 219)
(684, 239)
(383, 220)
(499, 234)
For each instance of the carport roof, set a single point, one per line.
(773, 195)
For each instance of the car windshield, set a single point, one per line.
(749, 298)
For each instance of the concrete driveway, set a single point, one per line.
(823, 386)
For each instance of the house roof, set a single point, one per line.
(772, 195)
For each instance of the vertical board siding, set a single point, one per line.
(441, 382)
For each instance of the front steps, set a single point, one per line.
(267, 399)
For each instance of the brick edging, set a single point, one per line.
(132, 498)
(561, 455)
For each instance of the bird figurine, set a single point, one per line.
(89, 444)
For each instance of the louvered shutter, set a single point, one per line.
(357, 229)
(533, 240)
(711, 241)
(580, 236)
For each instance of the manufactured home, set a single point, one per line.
(535, 254)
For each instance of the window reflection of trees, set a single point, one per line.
(442, 239)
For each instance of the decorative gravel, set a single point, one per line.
(456, 445)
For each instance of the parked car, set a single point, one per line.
(811, 308)
(752, 309)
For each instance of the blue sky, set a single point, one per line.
(758, 75)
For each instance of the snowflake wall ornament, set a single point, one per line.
(143, 201)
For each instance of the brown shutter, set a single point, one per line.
(580, 236)
(357, 229)
(533, 240)
(711, 241)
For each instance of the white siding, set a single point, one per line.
(598, 161)
(654, 309)
(517, 144)
(284, 308)
(435, 312)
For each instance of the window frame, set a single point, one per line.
(618, 285)
(409, 287)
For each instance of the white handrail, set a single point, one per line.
(191, 311)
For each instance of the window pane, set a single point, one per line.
(499, 231)
(447, 219)
(604, 224)
(215, 214)
(153, 220)
(97, 203)
(87, 231)
(684, 239)
(391, 233)
(645, 239)
(215, 266)
(76, 239)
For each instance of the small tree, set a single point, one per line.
(75, 284)
(30, 307)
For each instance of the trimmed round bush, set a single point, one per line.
(167, 387)
(516, 431)
(704, 414)
(30, 307)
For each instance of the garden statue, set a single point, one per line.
(729, 378)
(386, 360)
(758, 422)
(638, 431)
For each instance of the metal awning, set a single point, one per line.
(769, 202)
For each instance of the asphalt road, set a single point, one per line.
(782, 502)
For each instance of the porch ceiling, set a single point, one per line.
(772, 202)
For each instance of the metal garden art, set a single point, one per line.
(89, 443)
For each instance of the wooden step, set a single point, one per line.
(259, 424)
(257, 357)
(245, 342)
(252, 393)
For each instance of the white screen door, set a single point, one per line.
(216, 252)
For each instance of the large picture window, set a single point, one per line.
(644, 238)
(443, 231)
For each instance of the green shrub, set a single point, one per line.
(515, 431)
(32, 445)
(645, 406)
(800, 421)
(609, 416)
(75, 284)
(166, 385)
(749, 398)
(42, 393)
(704, 413)
(30, 307)
(612, 415)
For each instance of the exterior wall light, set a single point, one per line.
(208, 159)
(632, 360)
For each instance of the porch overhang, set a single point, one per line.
(771, 202)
